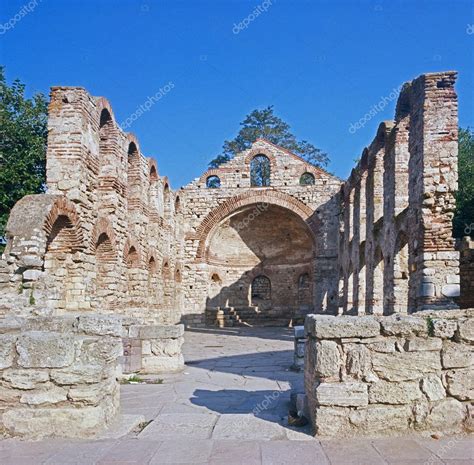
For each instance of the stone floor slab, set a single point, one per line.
(393, 450)
(130, 452)
(289, 452)
(191, 451)
(180, 425)
(235, 452)
(247, 427)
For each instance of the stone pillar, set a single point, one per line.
(433, 148)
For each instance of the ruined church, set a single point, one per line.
(110, 262)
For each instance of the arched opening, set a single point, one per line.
(153, 173)
(177, 204)
(133, 276)
(377, 307)
(133, 173)
(107, 146)
(167, 286)
(260, 240)
(304, 292)
(261, 292)
(307, 179)
(401, 276)
(166, 199)
(61, 268)
(260, 171)
(213, 182)
(153, 283)
(105, 271)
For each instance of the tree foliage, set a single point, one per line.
(463, 221)
(265, 124)
(23, 133)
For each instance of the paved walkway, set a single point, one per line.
(229, 407)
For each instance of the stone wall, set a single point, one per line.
(153, 349)
(390, 375)
(396, 250)
(58, 375)
(110, 235)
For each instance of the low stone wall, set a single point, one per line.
(58, 375)
(152, 349)
(390, 375)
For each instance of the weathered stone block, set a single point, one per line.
(342, 394)
(419, 343)
(358, 361)
(444, 328)
(39, 349)
(46, 395)
(433, 388)
(328, 359)
(405, 366)
(381, 420)
(169, 347)
(383, 392)
(7, 350)
(332, 421)
(456, 355)
(466, 330)
(60, 422)
(157, 364)
(157, 332)
(102, 325)
(446, 415)
(25, 379)
(335, 327)
(460, 384)
(399, 325)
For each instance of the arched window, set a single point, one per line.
(260, 171)
(261, 289)
(131, 259)
(177, 204)
(213, 182)
(153, 174)
(307, 179)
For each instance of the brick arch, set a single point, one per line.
(214, 172)
(103, 226)
(103, 104)
(132, 139)
(62, 207)
(129, 243)
(260, 151)
(280, 199)
(153, 169)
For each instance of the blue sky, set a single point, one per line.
(322, 64)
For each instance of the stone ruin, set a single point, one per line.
(111, 240)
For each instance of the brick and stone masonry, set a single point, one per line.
(110, 236)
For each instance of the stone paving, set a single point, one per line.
(229, 407)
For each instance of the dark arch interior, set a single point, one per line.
(264, 256)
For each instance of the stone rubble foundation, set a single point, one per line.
(58, 375)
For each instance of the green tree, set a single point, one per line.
(265, 124)
(463, 221)
(23, 133)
